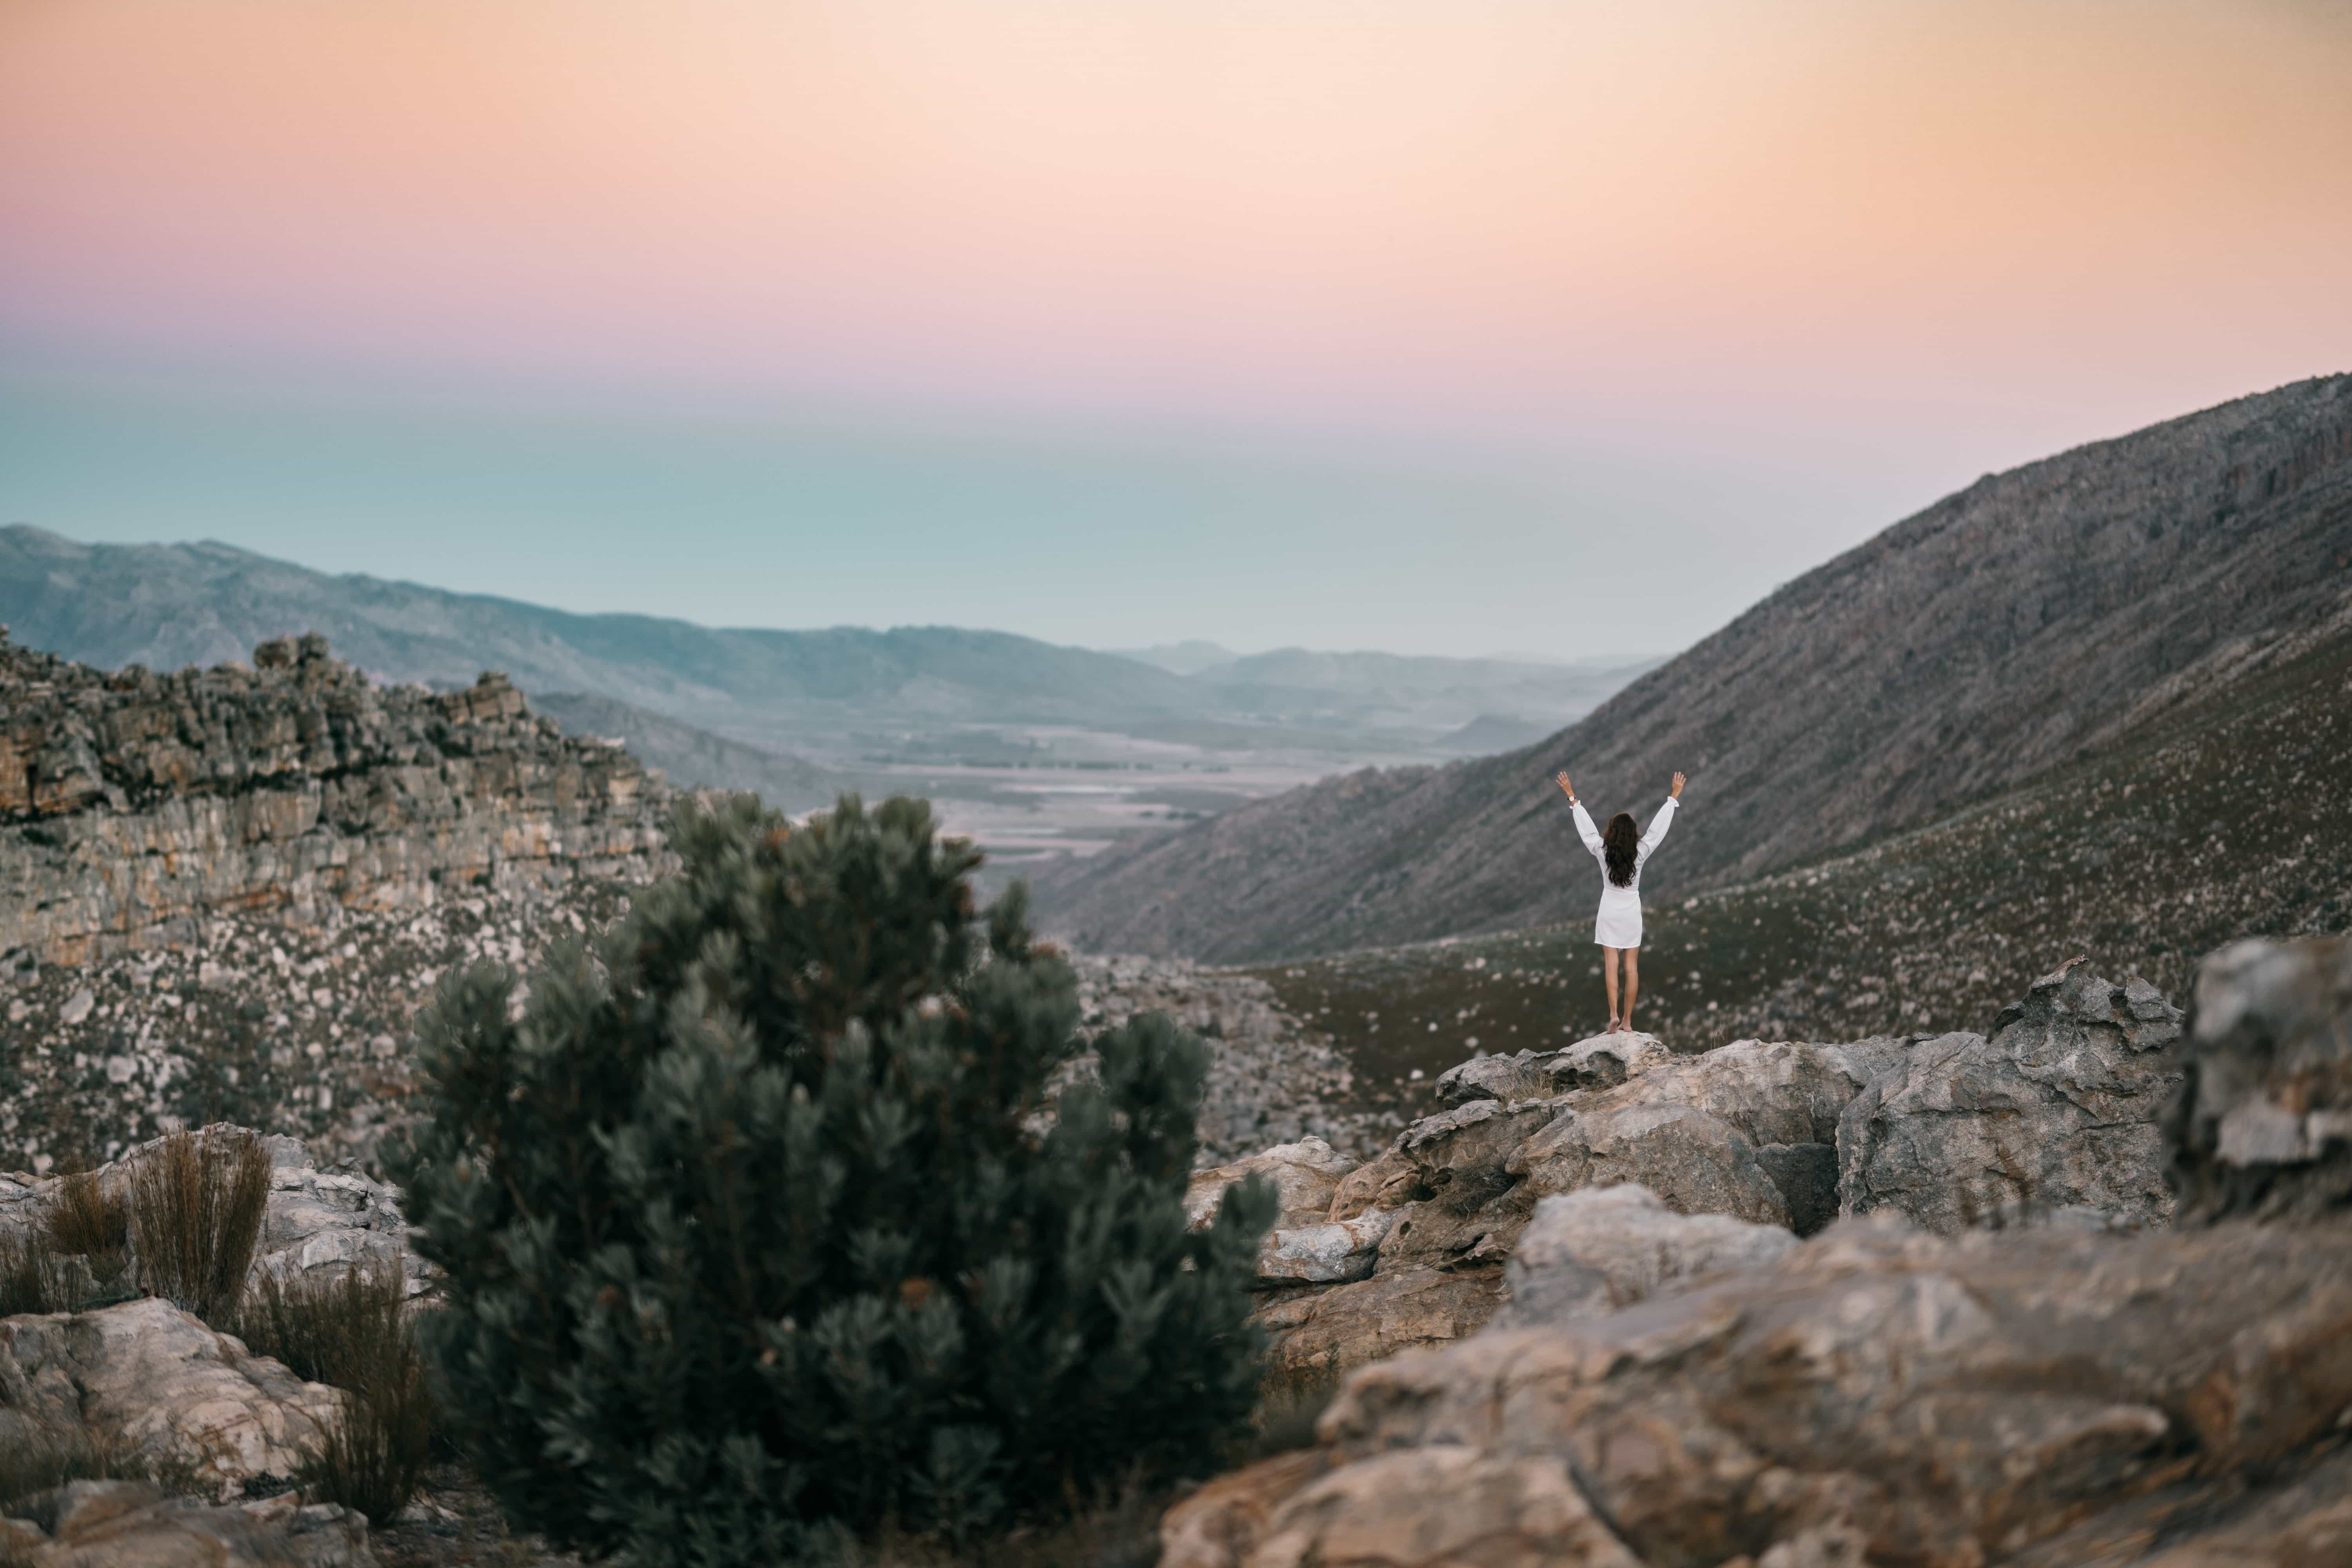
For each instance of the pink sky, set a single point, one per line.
(1938, 237)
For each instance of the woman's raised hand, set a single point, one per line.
(1565, 787)
(1678, 786)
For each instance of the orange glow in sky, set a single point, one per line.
(1961, 231)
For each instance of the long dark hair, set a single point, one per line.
(1617, 847)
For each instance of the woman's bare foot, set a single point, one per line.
(1613, 1026)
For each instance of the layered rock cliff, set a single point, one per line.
(132, 804)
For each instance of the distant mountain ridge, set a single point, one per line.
(166, 606)
(2001, 631)
(171, 606)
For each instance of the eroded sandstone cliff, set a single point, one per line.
(132, 803)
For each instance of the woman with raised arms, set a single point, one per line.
(1618, 927)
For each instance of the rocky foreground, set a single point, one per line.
(2087, 1301)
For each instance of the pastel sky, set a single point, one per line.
(1433, 325)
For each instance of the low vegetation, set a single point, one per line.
(353, 1332)
(195, 1213)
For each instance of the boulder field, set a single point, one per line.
(2086, 1302)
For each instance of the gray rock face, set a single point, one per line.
(156, 1380)
(1601, 1061)
(1696, 1162)
(1305, 1247)
(1876, 1394)
(1323, 1254)
(2057, 1111)
(1305, 1176)
(2263, 1123)
(140, 800)
(1590, 1252)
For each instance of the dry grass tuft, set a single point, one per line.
(195, 1212)
(352, 1332)
(34, 1279)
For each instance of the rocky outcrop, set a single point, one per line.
(1601, 1062)
(1769, 1139)
(127, 1525)
(1668, 1390)
(159, 1384)
(2263, 1123)
(1407, 1250)
(2056, 1113)
(1877, 1395)
(134, 803)
(1589, 1253)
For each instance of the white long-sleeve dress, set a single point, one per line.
(1619, 923)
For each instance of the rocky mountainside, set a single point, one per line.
(2023, 622)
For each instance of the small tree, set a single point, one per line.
(755, 1230)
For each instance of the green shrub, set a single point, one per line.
(754, 1232)
(196, 1211)
(352, 1332)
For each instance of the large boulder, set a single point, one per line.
(1877, 1395)
(1305, 1176)
(1601, 1061)
(1590, 1252)
(2263, 1123)
(157, 1382)
(1696, 1162)
(1475, 1205)
(1404, 1308)
(1748, 1129)
(2056, 1113)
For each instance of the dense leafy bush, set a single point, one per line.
(754, 1230)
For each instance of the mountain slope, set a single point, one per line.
(2225, 819)
(2006, 629)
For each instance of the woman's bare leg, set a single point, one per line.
(1633, 982)
(1609, 978)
